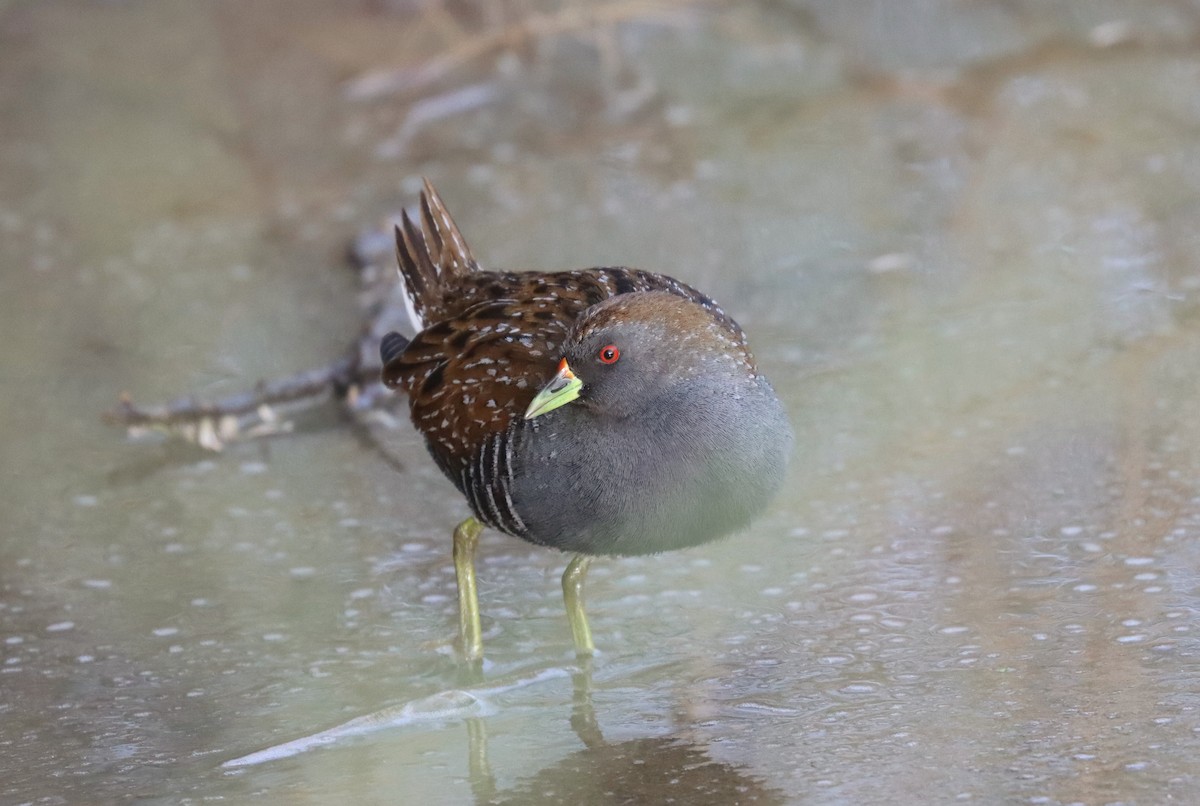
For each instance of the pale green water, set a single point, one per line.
(962, 238)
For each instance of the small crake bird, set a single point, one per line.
(598, 411)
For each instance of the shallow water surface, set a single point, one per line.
(962, 240)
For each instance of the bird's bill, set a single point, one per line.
(561, 390)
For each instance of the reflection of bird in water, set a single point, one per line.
(652, 770)
(660, 769)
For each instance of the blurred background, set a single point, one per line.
(962, 237)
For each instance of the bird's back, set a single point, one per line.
(487, 340)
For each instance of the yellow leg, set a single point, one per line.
(572, 584)
(470, 633)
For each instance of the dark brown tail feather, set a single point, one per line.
(432, 257)
(453, 256)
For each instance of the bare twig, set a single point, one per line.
(212, 424)
(351, 379)
(311, 383)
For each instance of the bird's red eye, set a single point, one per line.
(609, 354)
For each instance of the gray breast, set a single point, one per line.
(696, 466)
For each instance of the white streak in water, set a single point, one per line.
(453, 705)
